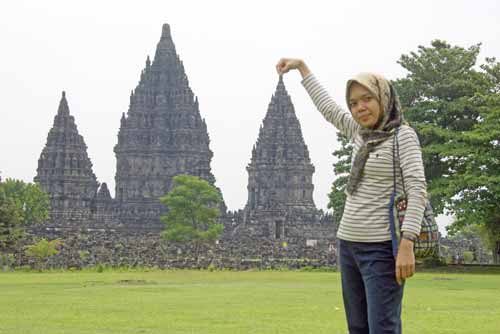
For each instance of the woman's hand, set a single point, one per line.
(405, 261)
(286, 64)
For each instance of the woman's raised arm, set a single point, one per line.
(332, 112)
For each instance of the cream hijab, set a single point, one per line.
(392, 118)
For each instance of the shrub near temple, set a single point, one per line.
(193, 209)
(42, 250)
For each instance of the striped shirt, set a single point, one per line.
(366, 213)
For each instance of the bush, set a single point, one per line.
(468, 257)
(7, 261)
(84, 255)
(99, 268)
(42, 250)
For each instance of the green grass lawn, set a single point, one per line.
(230, 302)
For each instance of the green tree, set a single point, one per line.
(193, 209)
(455, 108)
(21, 204)
(30, 200)
(474, 188)
(437, 95)
(10, 223)
(341, 168)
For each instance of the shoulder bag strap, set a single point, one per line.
(392, 223)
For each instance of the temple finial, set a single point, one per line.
(280, 88)
(165, 32)
(63, 108)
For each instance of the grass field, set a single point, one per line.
(175, 302)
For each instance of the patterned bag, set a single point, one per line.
(427, 243)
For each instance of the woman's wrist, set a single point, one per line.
(406, 244)
(303, 69)
(409, 236)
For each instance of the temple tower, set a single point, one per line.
(280, 172)
(65, 171)
(161, 136)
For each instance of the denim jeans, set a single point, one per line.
(372, 297)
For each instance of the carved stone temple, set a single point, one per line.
(65, 171)
(280, 190)
(163, 135)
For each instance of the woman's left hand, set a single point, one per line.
(405, 261)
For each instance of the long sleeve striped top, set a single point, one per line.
(366, 213)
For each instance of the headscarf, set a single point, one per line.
(392, 117)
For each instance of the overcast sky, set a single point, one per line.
(95, 51)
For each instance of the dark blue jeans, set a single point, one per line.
(372, 297)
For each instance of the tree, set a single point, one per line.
(30, 200)
(437, 98)
(455, 109)
(10, 223)
(341, 168)
(475, 188)
(193, 209)
(21, 204)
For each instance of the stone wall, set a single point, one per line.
(91, 247)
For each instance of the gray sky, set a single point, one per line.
(95, 50)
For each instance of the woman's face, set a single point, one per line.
(364, 107)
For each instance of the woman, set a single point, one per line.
(372, 279)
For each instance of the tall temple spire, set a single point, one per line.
(165, 32)
(63, 105)
(162, 135)
(165, 47)
(280, 88)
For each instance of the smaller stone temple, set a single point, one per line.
(280, 190)
(65, 171)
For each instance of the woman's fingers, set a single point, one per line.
(286, 64)
(405, 261)
(404, 271)
(283, 66)
(399, 279)
(411, 270)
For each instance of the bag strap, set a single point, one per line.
(396, 139)
(392, 223)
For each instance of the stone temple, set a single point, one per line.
(280, 191)
(162, 135)
(65, 171)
